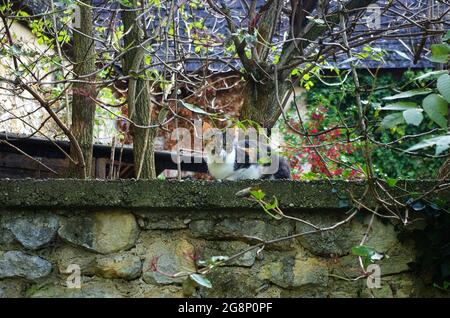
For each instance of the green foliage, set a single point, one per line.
(367, 254)
(257, 194)
(392, 120)
(401, 114)
(410, 93)
(443, 86)
(402, 105)
(436, 107)
(413, 116)
(442, 143)
(391, 182)
(440, 53)
(271, 208)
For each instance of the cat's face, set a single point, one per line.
(219, 147)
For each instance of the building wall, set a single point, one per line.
(20, 113)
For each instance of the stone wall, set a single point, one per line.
(115, 230)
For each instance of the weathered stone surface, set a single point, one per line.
(346, 266)
(231, 282)
(402, 285)
(67, 255)
(6, 237)
(278, 273)
(340, 288)
(202, 228)
(310, 271)
(306, 291)
(270, 292)
(19, 264)
(101, 232)
(153, 221)
(169, 257)
(240, 228)
(295, 272)
(34, 230)
(398, 260)
(384, 291)
(12, 287)
(400, 256)
(7, 240)
(98, 288)
(92, 194)
(339, 241)
(164, 292)
(124, 266)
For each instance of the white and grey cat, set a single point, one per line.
(231, 159)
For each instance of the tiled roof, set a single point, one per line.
(399, 49)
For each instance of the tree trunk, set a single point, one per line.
(143, 139)
(141, 112)
(261, 102)
(83, 107)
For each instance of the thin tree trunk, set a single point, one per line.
(140, 110)
(83, 106)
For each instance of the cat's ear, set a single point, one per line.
(206, 126)
(209, 131)
(206, 130)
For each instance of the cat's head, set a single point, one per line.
(218, 145)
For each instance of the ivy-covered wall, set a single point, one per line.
(125, 236)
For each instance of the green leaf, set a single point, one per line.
(439, 53)
(201, 280)
(368, 254)
(264, 160)
(446, 285)
(194, 108)
(22, 14)
(429, 74)
(362, 250)
(446, 36)
(441, 203)
(258, 194)
(402, 105)
(443, 59)
(411, 93)
(440, 49)
(198, 49)
(443, 85)
(436, 108)
(273, 205)
(413, 116)
(390, 121)
(346, 174)
(295, 72)
(442, 143)
(391, 182)
(126, 3)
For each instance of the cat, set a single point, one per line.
(229, 158)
